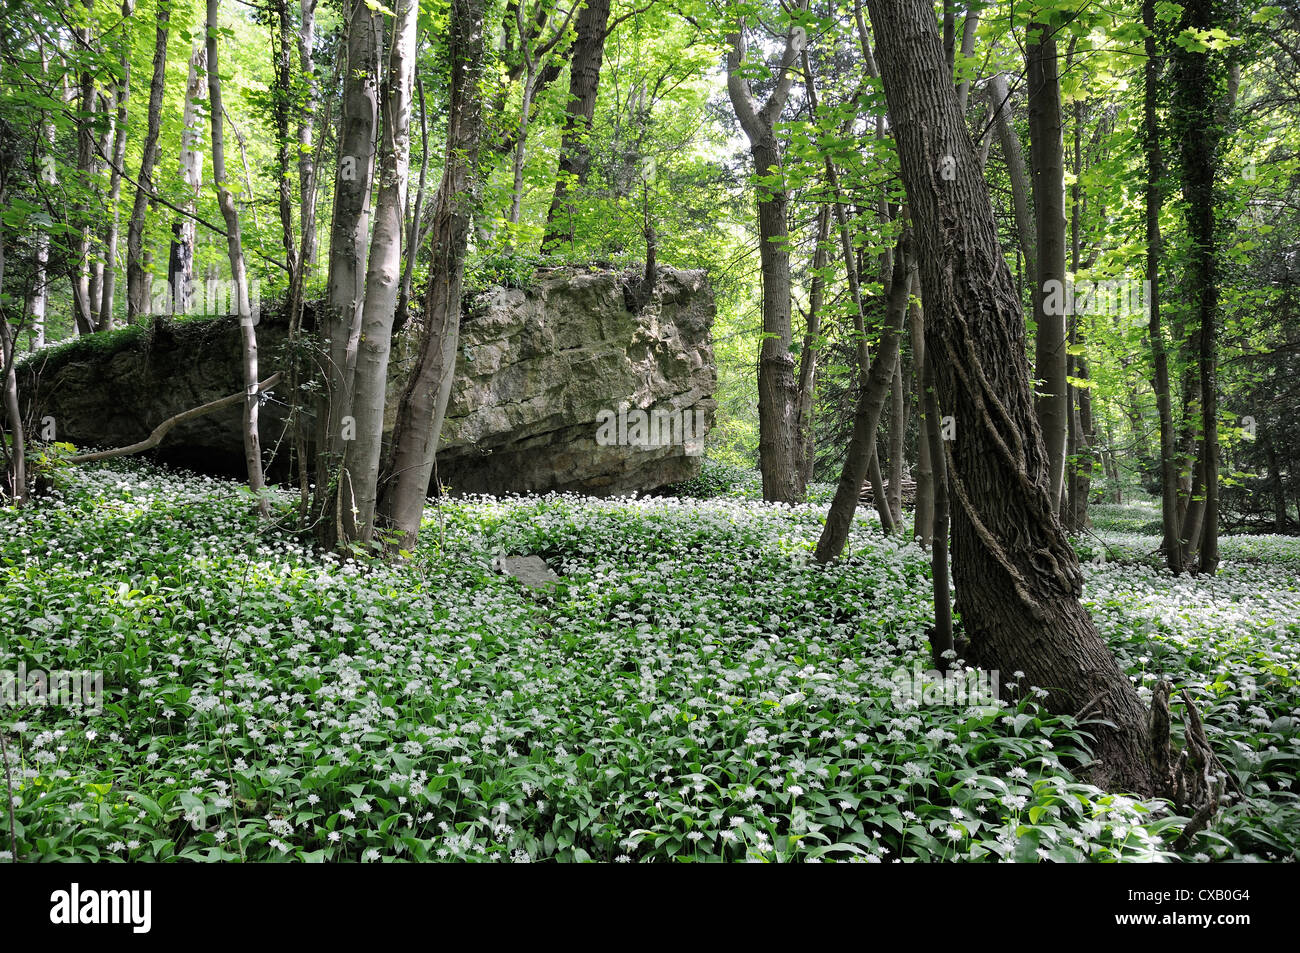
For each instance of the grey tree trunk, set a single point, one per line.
(777, 391)
(1013, 156)
(349, 233)
(1017, 577)
(808, 355)
(383, 273)
(238, 274)
(137, 279)
(923, 515)
(420, 413)
(306, 127)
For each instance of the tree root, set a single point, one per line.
(1197, 781)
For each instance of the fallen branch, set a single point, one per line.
(161, 430)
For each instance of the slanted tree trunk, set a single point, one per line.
(1048, 162)
(123, 95)
(238, 274)
(383, 273)
(336, 430)
(1017, 578)
(871, 400)
(777, 391)
(1013, 156)
(423, 405)
(575, 153)
(137, 279)
(1169, 508)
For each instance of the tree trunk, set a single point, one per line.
(115, 173)
(350, 231)
(1200, 97)
(575, 153)
(383, 274)
(941, 639)
(1013, 156)
(897, 423)
(16, 451)
(808, 356)
(1016, 575)
(413, 234)
(137, 280)
(423, 405)
(923, 515)
(281, 97)
(238, 275)
(306, 125)
(777, 391)
(1169, 508)
(180, 261)
(1047, 153)
(871, 400)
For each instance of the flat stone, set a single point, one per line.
(532, 571)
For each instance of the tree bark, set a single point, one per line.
(575, 153)
(1013, 156)
(238, 274)
(1048, 162)
(306, 126)
(123, 96)
(1017, 577)
(866, 419)
(137, 279)
(383, 274)
(777, 391)
(349, 233)
(923, 515)
(423, 405)
(180, 260)
(1169, 508)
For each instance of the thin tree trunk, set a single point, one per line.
(239, 278)
(1048, 162)
(282, 94)
(180, 260)
(16, 450)
(418, 425)
(306, 126)
(897, 422)
(575, 153)
(115, 174)
(941, 640)
(923, 515)
(1016, 574)
(1013, 156)
(83, 308)
(417, 214)
(137, 280)
(871, 401)
(808, 356)
(1169, 509)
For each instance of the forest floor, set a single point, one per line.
(694, 688)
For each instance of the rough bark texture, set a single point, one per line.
(777, 390)
(347, 262)
(418, 426)
(575, 154)
(1169, 508)
(1017, 578)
